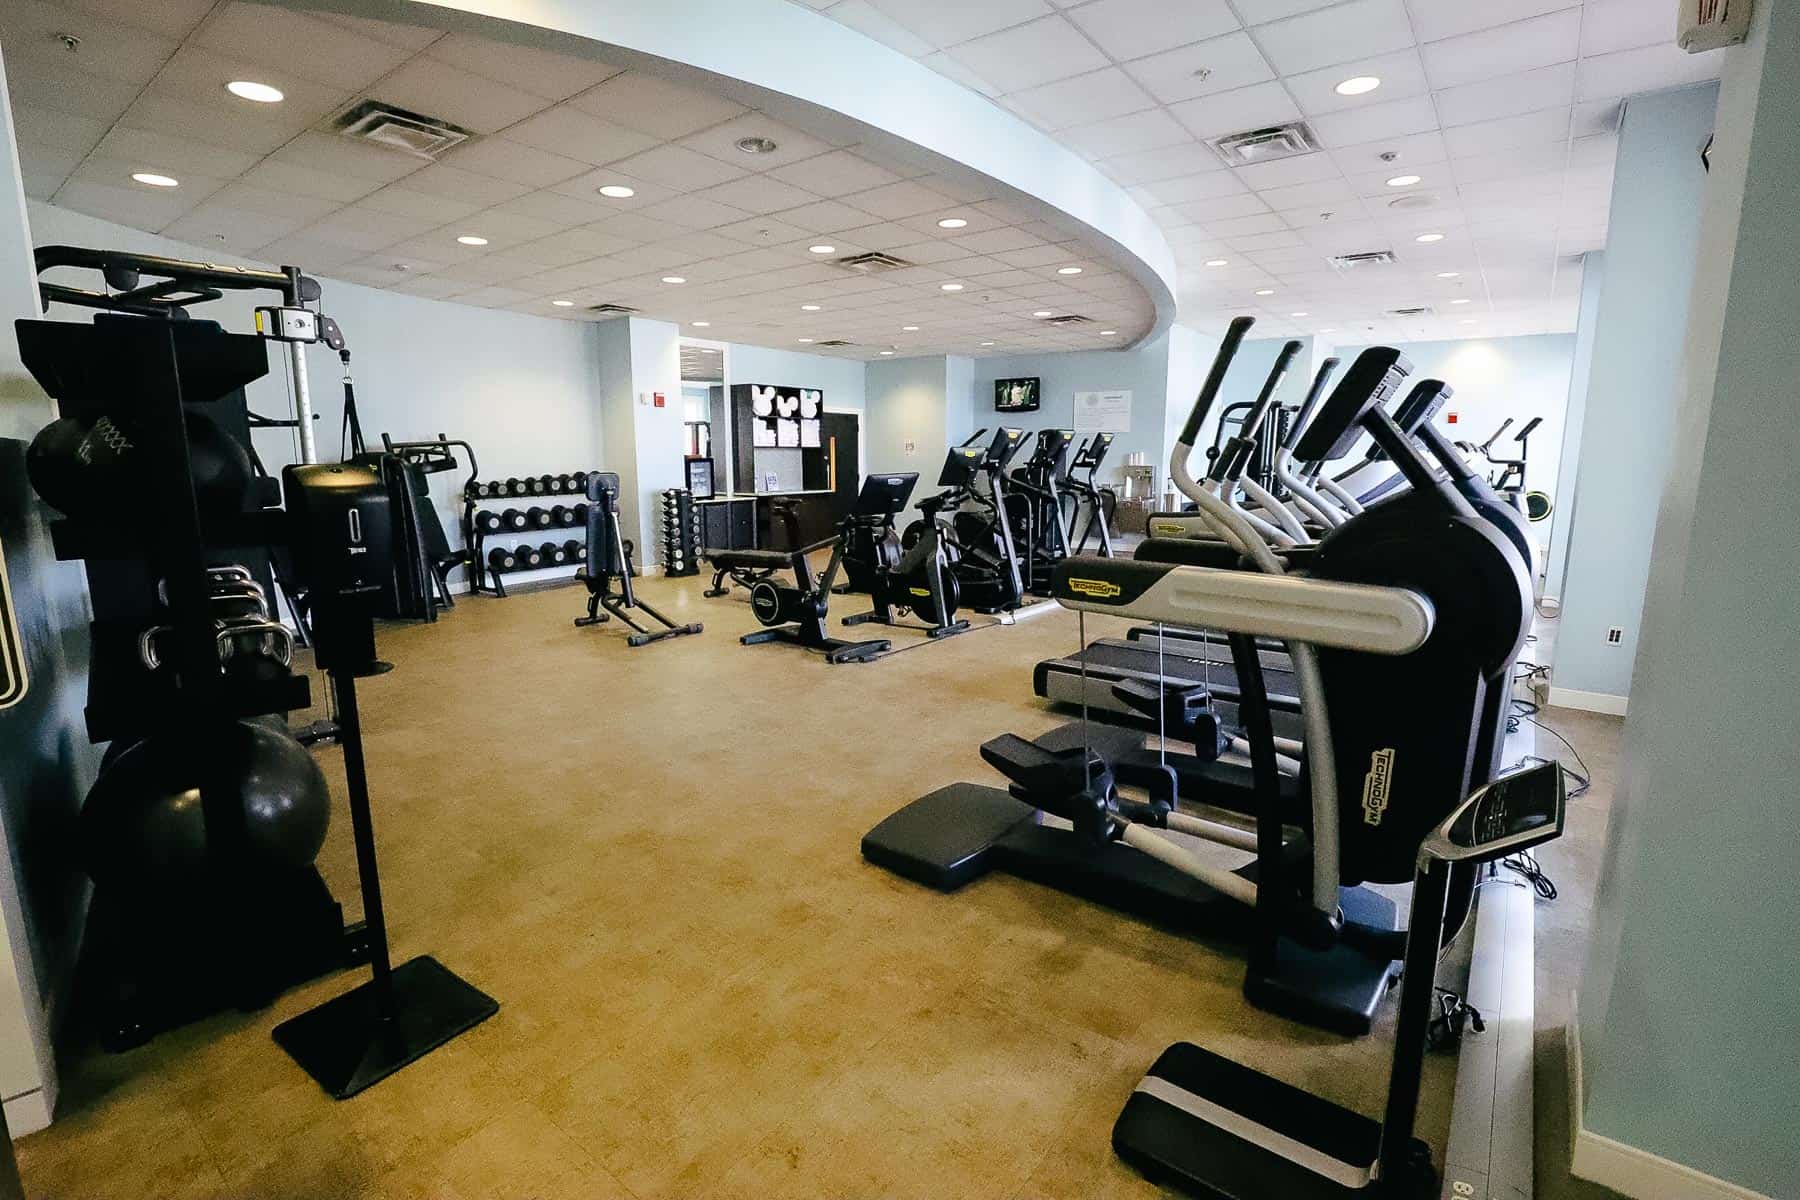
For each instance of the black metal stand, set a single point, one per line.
(403, 1013)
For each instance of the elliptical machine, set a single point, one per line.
(1034, 507)
(921, 582)
(1100, 502)
(978, 544)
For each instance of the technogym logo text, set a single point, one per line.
(1099, 589)
(1376, 785)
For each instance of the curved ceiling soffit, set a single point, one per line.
(801, 67)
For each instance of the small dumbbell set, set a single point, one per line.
(487, 516)
(680, 533)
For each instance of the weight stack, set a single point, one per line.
(680, 533)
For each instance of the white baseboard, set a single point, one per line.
(28, 1112)
(1599, 702)
(1627, 1169)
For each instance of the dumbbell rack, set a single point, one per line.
(495, 497)
(680, 533)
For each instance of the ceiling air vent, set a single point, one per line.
(1417, 310)
(1069, 319)
(872, 263)
(1364, 258)
(612, 310)
(397, 129)
(834, 342)
(1265, 145)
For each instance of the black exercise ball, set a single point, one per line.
(144, 820)
(81, 468)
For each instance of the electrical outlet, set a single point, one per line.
(1615, 636)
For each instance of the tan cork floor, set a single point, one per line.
(649, 856)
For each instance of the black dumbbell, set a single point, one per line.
(562, 515)
(535, 485)
(527, 557)
(565, 483)
(489, 522)
(501, 559)
(516, 487)
(581, 512)
(553, 554)
(540, 518)
(515, 519)
(575, 549)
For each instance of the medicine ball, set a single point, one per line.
(144, 821)
(80, 467)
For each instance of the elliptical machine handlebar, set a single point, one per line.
(1215, 377)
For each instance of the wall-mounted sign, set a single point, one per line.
(13, 679)
(1103, 412)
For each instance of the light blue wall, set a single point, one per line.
(519, 388)
(1568, 483)
(1497, 378)
(907, 422)
(1636, 375)
(1688, 1042)
(841, 379)
(1144, 370)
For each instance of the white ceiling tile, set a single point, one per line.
(1486, 137)
(1302, 168)
(428, 209)
(109, 49)
(1147, 130)
(654, 106)
(1410, 153)
(541, 72)
(51, 85)
(1608, 25)
(697, 212)
(309, 47)
(1261, 12)
(315, 256)
(440, 179)
(1202, 69)
(957, 72)
(364, 229)
(569, 246)
(1091, 97)
(587, 188)
(171, 18)
(502, 158)
(573, 133)
(1341, 33)
(1246, 226)
(1595, 116)
(759, 194)
(173, 155)
(1128, 29)
(721, 142)
(947, 22)
(461, 97)
(276, 175)
(835, 174)
(1434, 20)
(215, 226)
(211, 123)
(825, 216)
(1210, 212)
(897, 200)
(1519, 160)
(1646, 69)
(248, 198)
(866, 19)
(199, 75)
(678, 168)
(1204, 186)
(1508, 95)
(1322, 193)
(1230, 112)
(1169, 162)
(64, 131)
(1396, 118)
(1505, 50)
(1030, 54)
(1402, 74)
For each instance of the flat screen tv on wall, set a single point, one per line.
(1015, 395)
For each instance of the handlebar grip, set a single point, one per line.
(1265, 398)
(1311, 402)
(1215, 377)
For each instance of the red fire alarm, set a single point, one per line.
(1450, 419)
(656, 399)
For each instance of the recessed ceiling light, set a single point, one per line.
(618, 191)
(469, 239)
(1068, 270)
(674, 279)
(822, 248)
(563, 303)
(950, 287)
(756, 145)
(1449, 274)
(808, 340)
(1300, 314)
(1043, 312)
(1109, 333)
(1466, 321)
(701, 324)
(152, 179)
(1428, 238)
(1265, 291)
(1216, 262)
(1403, 181)
(809, 308)
(987, 343)
(952, 223)
(262, 93)
(886, 352)
(1358, 85)
(1460, 300)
